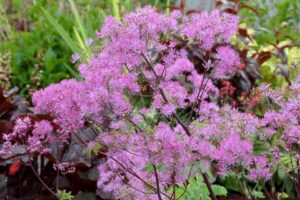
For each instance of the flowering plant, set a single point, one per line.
(150, 102)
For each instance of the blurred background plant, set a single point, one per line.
(275, 16)
(277, 27)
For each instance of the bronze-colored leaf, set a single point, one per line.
(192, 11)
(230, 11)
(244, 33)
(263, 56)
(182, 5)
(219, 4)
(249, 8)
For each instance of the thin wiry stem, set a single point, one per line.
(42, 182)
(165, 98)
(157, 182)
(126, 169)
(206, 181)
(185, 188)
(134, 187)
(134, 174)
(174, 185)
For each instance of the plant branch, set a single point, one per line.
(211, 193)
(157, 182)
(42, 182)
(134, 174)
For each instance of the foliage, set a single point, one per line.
(277, 19)
(275, 26)
(63, 195)
(197, 190)
(36, 54)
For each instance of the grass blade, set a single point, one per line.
(78, 20)
(116, 10)
(168, 7)
(83, 47)
(73, 72)
(61, 31)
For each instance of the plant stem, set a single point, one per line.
(246, 188)
(157, 183)
(268, 194)
(41, 181)
(206, 181)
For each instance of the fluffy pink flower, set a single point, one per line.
(261, 169)
(181, 65)
(233, 151)
(89, 42)
(206, 26)
(63, 104)
(75, 58)
(228, 60)
(32, 136)
(292, 134)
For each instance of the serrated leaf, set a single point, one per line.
(197, 190)
(219, 190)
(64, 195)
(283, 195)
(257, 194)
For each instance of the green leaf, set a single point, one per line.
(257, 194)
(61, 31)
(283, 195)
(128, 5)
(78, 20)
(150, 168)
(219, 190)
(73, 72)
(199, 124)
(197, 190)
(168, 7)
(261, 146)
(281, 174)
(231, 183)
(289, 161)
(116, 10)
(63, 195)
(84, 49)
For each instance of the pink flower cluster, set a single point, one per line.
(129, 52)
(225, 137)
(28, 135)
(228, 61)
(141, 156)
(206, 27)
(64, 168)
(177, 124)
(288, 116)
